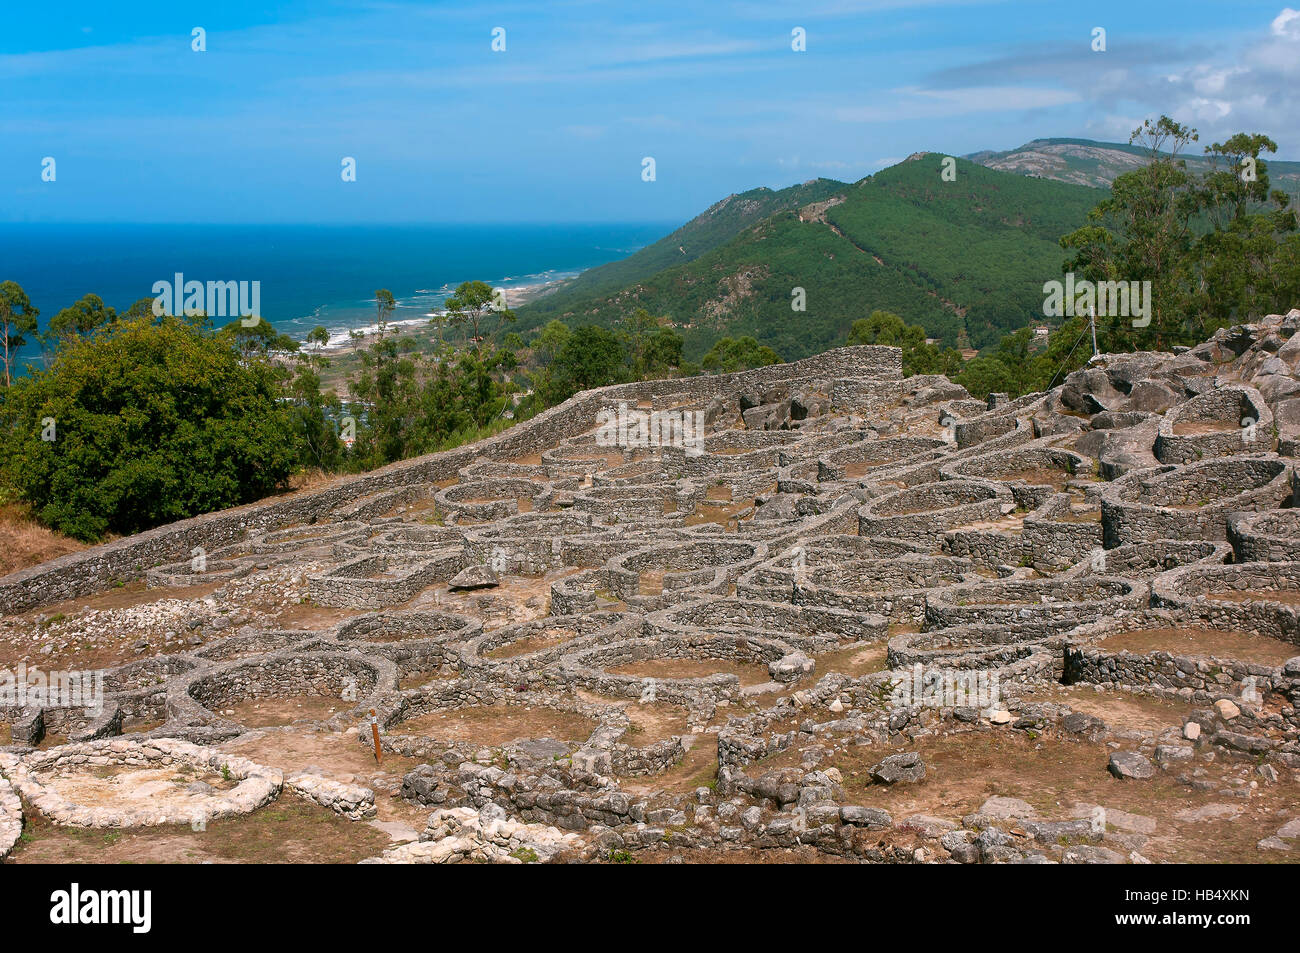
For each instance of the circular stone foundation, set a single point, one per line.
(1219, 423)
(1174, 652)
(1146, 560)
(1262, 597)
(968, 646)
(459, 719)
(1033, 474)
(654, 574)
(924, 513)
(391, 627)
(532, 645)
(491, 499)
(1192, 501)
(1273, 535)
(695, 672)
(1194, 641)
(283, 686)
(1060, 603)
(125, 783)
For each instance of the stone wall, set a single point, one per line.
(79, 574)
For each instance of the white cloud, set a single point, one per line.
(911, 102)
(1209, 80)
(826, 165)
(1244, 82)
(1286, 24)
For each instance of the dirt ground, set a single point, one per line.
(273, 712)
(1203, 642)
(498, 725)
(749, 673)
(855, 660)
(1288, 597)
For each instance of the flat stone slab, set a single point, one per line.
(1210, 812)
(397, 831)
(1114, 817)
(1006, 808)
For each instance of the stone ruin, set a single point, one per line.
(870, 618)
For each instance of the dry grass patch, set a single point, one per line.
(25, 542)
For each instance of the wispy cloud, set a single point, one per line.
(442, 125)
(915, 102)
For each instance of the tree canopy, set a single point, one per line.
(142, 424)
(740, 354)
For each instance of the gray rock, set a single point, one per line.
(790, 667)
(474, 577)
(1130, 765)
(870, 817)
(906, 768)
(1167, 753)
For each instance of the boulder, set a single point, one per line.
(768, 416)
(872, 818)
(1090, 391)
(1128, 449)
(474, 577)
(906, 768)
(1129, 765)
(1226, 709)
(778, 506)
(789, 667)
(806, 404)
(1091, 854)
(1151, 397)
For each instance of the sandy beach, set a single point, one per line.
(343, 342)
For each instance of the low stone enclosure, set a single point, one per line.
(861, 591)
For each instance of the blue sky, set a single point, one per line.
(443, 129)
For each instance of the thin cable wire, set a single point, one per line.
(1068, 356)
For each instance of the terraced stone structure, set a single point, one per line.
(871, 618)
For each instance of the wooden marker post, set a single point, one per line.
(374, 731)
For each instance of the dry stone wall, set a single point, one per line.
(552, 626)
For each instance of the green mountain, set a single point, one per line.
(716, 225)
(1086, 162)
(970, 255)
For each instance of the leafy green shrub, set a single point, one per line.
(151, 422)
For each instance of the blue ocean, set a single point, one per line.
(309, 275)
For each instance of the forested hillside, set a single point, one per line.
(966, 259)
(716, 225)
